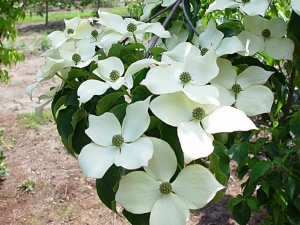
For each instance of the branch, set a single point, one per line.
(188, 19)
(160, 12)
(177, 3)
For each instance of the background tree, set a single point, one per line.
(11, 11)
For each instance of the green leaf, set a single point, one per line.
(137, 219)
(169, 134)
(107, 102)
(292, 186)
(106, 184)
(138, 77)
(140, 93)
(295, 127)
(64, 119)
(253, 203)
(120, 111)
(72, 99)
(241, 213)
(259, 169)
(272, 150)
(239, 151)
(219, 165)
(80, 138)
(281, 198)
(234, 201)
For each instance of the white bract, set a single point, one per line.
(212, 37)
(109, 69)
(251, 7)
(196, 122)
(113, 143)
(296, 6)
(117, 28)
(262, 35)
(169, 202)
(246, 90)
(189, 77)
(76, 28)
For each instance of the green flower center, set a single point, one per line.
(70, 31)
(76, 58)
(236, 88)
(131, 27)
(117, 140)
(165, 188)
(203, 51)
(185, 77)
(246, 1)
(199, 113)
(94, 33)
(266, 33)
(114, 75)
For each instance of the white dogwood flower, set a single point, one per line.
(117, 28)
(262, 35)
(113, 143)
(168, 202)
(111, 71)
(189, 77)
(246, 90)
(196, 122)
(75, 28)
(251, 7)
(212, 37)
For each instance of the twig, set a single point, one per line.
(177, 3)
(188, 19)
(160, 12)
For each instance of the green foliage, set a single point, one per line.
(32, 121)
(27, 186)
(10, 12)
(135, 8)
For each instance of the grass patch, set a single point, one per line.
(57, 16)
(32, 121)
(27, 185)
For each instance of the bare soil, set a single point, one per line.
(62, 195)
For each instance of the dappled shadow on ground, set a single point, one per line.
(40, 27)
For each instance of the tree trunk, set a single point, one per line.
(98, 5)
(47, 12)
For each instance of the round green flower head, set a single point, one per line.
(131, 27)
(94, 33)
(70, 31)
(165, 188)
(236, 88)
(114, 75)
(203, 51)
(76, 58)
(266, 33)
(185, 77)
(199, 113)
(246, 1)
(117, 140)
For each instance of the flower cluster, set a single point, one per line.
(124, 104)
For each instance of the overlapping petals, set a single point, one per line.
(253, 98)
(272, 42)
(253, 7)
(212, 37)
(132, 150)
(193, 188)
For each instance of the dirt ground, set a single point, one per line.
(61, 194)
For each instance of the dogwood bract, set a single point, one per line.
(113, 143)
(169, 202)
(263, 35)
(246, 90)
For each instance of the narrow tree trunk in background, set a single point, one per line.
(98, 5)
(46, 24)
